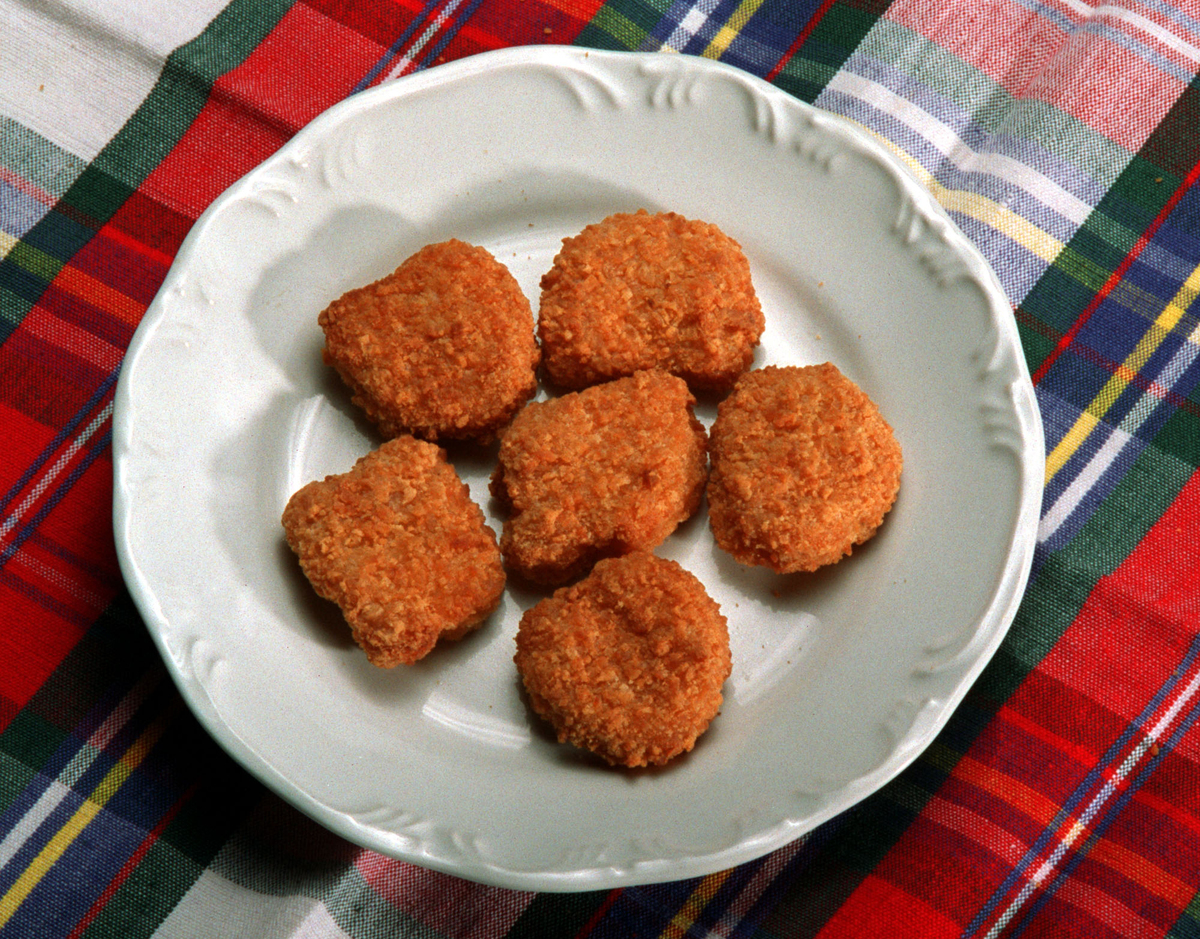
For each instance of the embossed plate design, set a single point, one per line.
(840, 678)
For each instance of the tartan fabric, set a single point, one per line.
(1063, 798)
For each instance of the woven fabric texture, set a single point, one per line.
(1063, 798)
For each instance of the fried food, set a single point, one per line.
(804, 467)
(398, 544)
(598, 473)
(442, 348)
(627, 663)
(640, 291)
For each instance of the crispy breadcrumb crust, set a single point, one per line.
(627, 663)
(804, 467)
(598, 473)
(399, 545)
(641, 291)
(443, 347)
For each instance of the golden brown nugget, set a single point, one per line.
(804, 468)
(627, 663)
(598, 473)
(398, 544)
(640, 291)
(442, 348)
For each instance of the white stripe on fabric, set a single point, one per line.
(1150, 28)
(440, 19)
(732, 918)
(1106, 792)
(318, 924)
(1119, 438)
(79, 764)
(1079, 487)
(1179, 363)
(690, 25)
(11, 522)
(23, 830)
(218, 908)
(947, 142)
(66, 584)
(1169, 12)
(59, 75)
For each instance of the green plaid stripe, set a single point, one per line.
(227, 831)
(836, 35)
(1135, 199)
(623, 25)
(181, 91)
(89, 196)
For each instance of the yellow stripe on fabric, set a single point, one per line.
(980, 208)
(1043, 811)
(29, 879)
(74, 281)
(682, 921)
(1141, 871)
(1021, 797)
(618, 26)
(36, 262)
(1162, 326)
(1051, 250)
(101, 295)
(1006, 221)
(1084, 270)
(1071, 442)
(728, 33)
(105, 790)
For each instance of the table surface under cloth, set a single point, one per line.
(1063, 797)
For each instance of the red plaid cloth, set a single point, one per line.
(1063, 799)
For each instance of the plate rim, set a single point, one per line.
(993, 625)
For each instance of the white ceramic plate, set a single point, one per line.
(840, 678)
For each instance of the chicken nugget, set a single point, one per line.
(629, 662)
(804, 468)
(645, 291)
(398, 544)
(598, 473)
(442, 348)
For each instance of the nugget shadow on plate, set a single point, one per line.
(351, 248)
(409, 686)
(707, 402)
(472, 460)
(328, 385)
(692, 527)
(527, 594)
(789, 593)
(512, 214)
(321, 620)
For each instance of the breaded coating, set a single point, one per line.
(629, 662)
(640, 291)
(804, 468)
(398, 544)
(442, 348)
(598, 473)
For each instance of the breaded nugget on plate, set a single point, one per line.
(640, 291)
(443, 347)
(627, 663)
(398, 544)
(598, 473)
(804, 467)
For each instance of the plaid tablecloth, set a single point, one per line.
(1063, 799)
